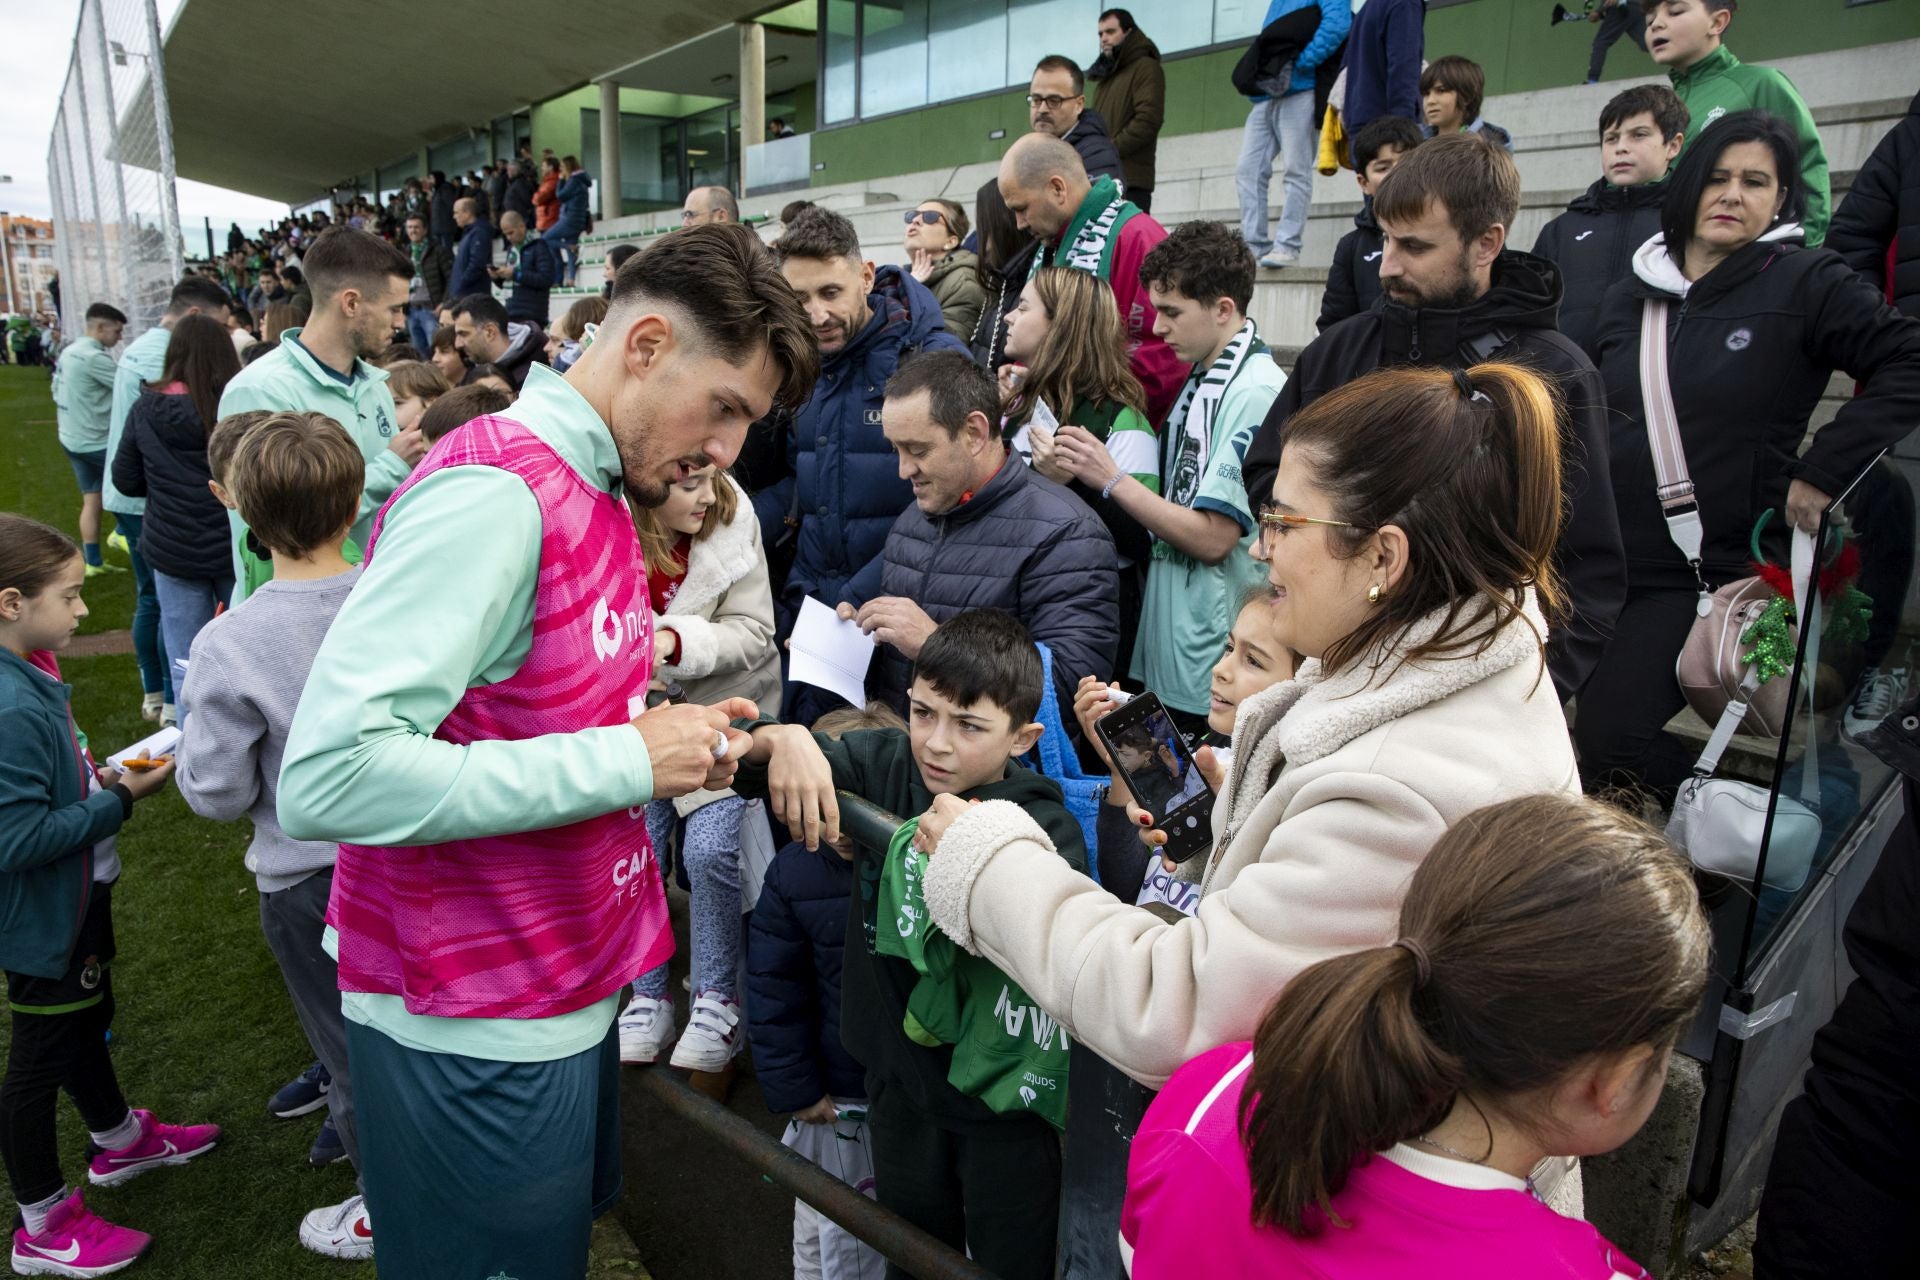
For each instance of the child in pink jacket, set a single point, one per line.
(1385, 1120)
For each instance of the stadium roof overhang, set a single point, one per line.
(283, 100)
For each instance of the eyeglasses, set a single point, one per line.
(1273, 518)
(932, 217)
(1051, 101)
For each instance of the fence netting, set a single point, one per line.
(110, 162)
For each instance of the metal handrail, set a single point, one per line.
(899, 1240)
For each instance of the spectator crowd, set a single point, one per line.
(491, 624)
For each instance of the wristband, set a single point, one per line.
(1106, 490)
(125, 796)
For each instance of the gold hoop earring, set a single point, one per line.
(1373, 594)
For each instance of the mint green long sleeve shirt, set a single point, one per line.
(83, 396)
(446, 605)
(142, 362)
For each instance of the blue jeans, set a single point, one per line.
(421, 322)
(149, 651)
(710, 845)
(1282, 127)
(186, 605)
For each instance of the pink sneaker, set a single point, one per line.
(159, 1144)
(76, 1243)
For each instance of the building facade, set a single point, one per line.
(26, 259)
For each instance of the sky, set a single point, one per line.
(33, 65)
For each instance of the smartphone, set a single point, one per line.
(1162, 774)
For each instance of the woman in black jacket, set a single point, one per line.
(163, 458)
(1756, 328)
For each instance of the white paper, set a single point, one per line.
(1042, 420)
(152, 746)
(830, 652)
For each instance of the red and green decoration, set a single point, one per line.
(1847, 609)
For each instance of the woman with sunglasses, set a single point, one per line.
(935, 231)
(1409, 542)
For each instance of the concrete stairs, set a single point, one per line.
(1855, 95)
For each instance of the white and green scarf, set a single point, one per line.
(1088, 241)
(1188, 434)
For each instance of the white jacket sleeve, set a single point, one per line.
(736, 635)
(1148, 995)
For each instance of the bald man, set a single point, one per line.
(532, 268)
(1090, 225)
(709, 204)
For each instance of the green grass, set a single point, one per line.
(204, 1030)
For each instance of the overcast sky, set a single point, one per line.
(33, 66)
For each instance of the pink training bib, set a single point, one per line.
(537, 923)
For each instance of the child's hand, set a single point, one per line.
(142, 783)
(821, 1112)
(800, 785)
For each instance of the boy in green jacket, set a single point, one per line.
(1685, 36)
(945, 1161)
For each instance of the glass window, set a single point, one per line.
(649, 158)
(838, 68)
(1173, 25)
(966, 48)
(1235, 20)
(893, 56)
(1037, 28)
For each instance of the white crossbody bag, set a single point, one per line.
(1718, 822)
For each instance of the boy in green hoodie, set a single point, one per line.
(945, 1161)
(1685, 36)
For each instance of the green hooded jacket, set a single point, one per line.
(1720, 84)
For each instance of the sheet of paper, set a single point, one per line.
(829, 652)
(160, 743)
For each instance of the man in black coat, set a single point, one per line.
(1883, 210)
(519, 192)
(1057, 104)
(1455, 297)
(984, 531)
(440, 210)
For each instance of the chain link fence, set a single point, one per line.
(110, 162)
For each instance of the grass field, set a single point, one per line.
(204, 1030)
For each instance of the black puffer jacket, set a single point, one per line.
(794, 950)
(1513, 321)
(1094, 141)
(1592, 243)
(163, 458)
(1749, 354)
(1023, 544)
(1884, 204)
(1353, 282)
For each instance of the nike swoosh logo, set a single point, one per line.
(361, 1229)
(1583, 235)
(170, 1150)
(68, 1254)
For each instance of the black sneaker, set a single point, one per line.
(302, 1095)
(327, 1148)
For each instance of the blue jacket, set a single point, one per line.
(794, 945)
(1384, 49)
(471, 257)
(573, 193)
(48, 823)
(839, 463)
(533, 279)
(1336, 16)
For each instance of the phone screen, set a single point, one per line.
(1159, 769)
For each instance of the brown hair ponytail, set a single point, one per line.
(1538, 932)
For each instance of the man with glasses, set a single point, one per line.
(1200, 279)
(1456, 296)
(1057, 104)
(709, 204)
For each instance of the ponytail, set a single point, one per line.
(1538, 933)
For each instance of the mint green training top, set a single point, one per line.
(142, 362)
(292, 379)
(83, 396)
(447, 605)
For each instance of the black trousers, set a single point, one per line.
(1620, 726)
(1842, 1184)
(992, 1190)
(1625, 19)
(56, 1046)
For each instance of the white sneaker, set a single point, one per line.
(646, 1029)
(712, 1036)
(1874, 700)
(340, 1230)
(150, 707)
(1274, 259)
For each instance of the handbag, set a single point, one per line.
(1718, 822)
(1713, 669)
(1059, 761)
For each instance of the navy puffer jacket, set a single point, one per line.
(163, 458)
(841, 466)
(1023, 544)
(794, 945)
